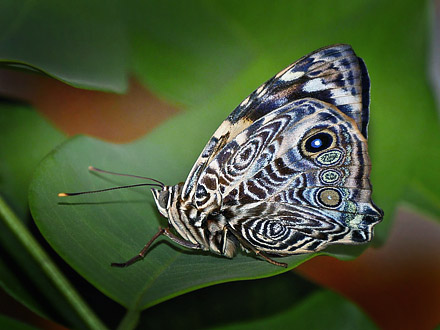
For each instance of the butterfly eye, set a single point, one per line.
(318, 142)
(163, 198)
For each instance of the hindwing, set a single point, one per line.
(283, 229)
(274, 165)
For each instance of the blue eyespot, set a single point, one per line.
(318, 142)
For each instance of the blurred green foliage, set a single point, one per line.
(206, 56)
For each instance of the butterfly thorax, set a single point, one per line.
(207, 229)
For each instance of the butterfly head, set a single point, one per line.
(162, 199)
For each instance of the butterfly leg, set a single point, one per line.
(180, 241)
(268, 259)
(253, 249)
(162, 231)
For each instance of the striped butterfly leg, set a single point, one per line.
(253, 249)
(143, 252)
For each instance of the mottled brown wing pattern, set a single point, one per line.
(331, 74)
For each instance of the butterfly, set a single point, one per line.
(287, 172)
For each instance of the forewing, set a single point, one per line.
(333, 74)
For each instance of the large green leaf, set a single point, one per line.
(321, 310)
(177, 42)
(91, 231)
(82, 44)
(254, 299)
(284, 301)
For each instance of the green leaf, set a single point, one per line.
(321, 310)
(198, 44)
(284, 301)
(91, 231)
(230, 303)
(82, 45)
(423, 192)
(11, 324)
(25, 139)
(37, 252)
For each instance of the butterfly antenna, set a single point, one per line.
(108, 189)
(94, 169)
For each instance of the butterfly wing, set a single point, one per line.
(333, 74)
(305, 168)
(283, 229)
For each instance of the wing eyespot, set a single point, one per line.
(318, 142)
(329, 197)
